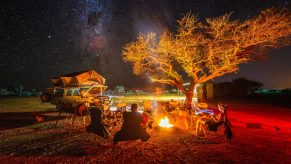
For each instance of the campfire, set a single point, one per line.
(165, 123)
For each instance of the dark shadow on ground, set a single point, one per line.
(12, 120)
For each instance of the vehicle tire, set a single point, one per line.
(82, 110)
(59, 106)
(68, 108)
(45, 97)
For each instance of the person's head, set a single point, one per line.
(97, 102)
(134, 107)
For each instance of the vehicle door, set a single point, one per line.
(58, 95)
(68, 97)
(76, 96)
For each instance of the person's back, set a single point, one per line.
(96, 125)
(131, 128)
(131, 120)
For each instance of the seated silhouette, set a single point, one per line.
(131, 128)
(96, 125)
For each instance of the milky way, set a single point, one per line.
(43, 39)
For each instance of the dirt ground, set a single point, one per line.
(262, 134)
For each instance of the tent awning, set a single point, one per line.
(88, 77)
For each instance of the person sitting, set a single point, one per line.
(131, 128)
(216, 119)
(96, 125)
(146, 120)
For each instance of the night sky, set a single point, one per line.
(41, 39)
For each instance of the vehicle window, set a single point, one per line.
(84, 89)
(95, 91)
(76, 92)
(59, 92)
(69, 92)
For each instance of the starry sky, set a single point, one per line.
(44, 39)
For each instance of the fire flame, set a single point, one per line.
(165, 123)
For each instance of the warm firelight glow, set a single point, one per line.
(165, 123)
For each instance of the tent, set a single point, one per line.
(77, 79)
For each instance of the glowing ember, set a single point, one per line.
(165, 123)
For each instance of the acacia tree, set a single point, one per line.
(203, 51)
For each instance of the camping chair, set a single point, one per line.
(112, 120)
(201, 115)
(72, 114)
(70, 118)
(200, 125)
(170, 108)
(174, 105)
(121, 106)
(210, 122)
(148, 106)
(193, 115)
(202, 108)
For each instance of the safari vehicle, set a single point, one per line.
(76, 90)
(75, 96)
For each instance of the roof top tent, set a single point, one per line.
(80, 79)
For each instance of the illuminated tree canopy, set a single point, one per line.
(203, 51)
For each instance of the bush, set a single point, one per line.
(26, 94)
(4, 92)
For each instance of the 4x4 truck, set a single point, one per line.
(76, 91)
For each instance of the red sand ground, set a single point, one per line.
(262, 134)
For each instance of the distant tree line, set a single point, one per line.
(121, 90)
(18, 90)
(280, 97)
(243, 88)
(240, 87)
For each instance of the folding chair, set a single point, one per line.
(209, 121)
(111, 120)
(170, 108)
(201, 115)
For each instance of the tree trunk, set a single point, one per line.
(188, 101)
(188, 93)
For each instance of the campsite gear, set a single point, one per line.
(227, 131)
(74, 93)
(227, 126)
(205, 119)
(82, 110)
(202, 108)
(202, 105)
(76, 88)
(45, 97)
(96, 125)
(212, 125)
(77, 79)
(144, 120)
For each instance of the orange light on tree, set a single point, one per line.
(204, 51)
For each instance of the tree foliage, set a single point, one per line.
(245, 86)
(204, 51)
(240, 87)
